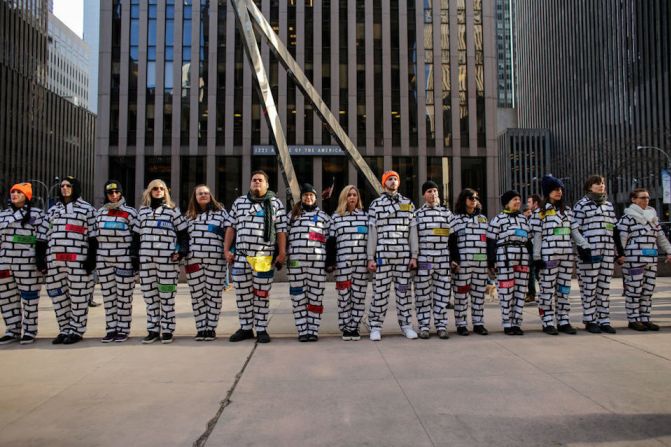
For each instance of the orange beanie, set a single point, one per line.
(25, 188)
(388, 174)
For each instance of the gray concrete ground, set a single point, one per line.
(586, 389)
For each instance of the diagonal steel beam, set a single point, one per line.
(266, 95)
(303, 84)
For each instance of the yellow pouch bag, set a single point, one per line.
(260, 263)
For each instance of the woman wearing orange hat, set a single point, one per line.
(20, 281)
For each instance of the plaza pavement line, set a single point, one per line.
(202, 439)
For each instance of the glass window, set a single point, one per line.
(123, 170)
(474, 175)
(151, 33)
(157, 167)
(192, 173)
(268, 164)
(376, 165)
(229, 180)
(186, 33)
(334, 173)
(438, 170)
(405, 166)
(151, 74)
(169, 32)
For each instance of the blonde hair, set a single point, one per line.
(146, 195)
(342, 200)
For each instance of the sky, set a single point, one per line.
(71, 12)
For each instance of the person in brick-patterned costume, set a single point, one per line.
(206, 266)
(554, 230)
(20, 280)
(470, 277)
(392, 254)
(164, 241)
(508, 248)
(308, 231)
(257, 222)
(349, 235)
(595, 218)
(433, 288)
(70, 235)
(641, 238)
(117, 262)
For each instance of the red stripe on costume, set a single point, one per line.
(521, 268)
(5, 273)
(261, 293)
(507, 284)
(192, 268)
(315, 309)
(317, 237)
(117, 213)
(66, 257)
(483, 237)
(75, 228)
(464, 289)
(343, 285)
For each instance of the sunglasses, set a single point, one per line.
(473, 198)
(158, 188)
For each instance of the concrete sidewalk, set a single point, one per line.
(474, 391)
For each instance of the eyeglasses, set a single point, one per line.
(158, 188)
(65, 185)
(203, 193)
(643, 197)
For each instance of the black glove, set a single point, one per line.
(539, 264)
(91, 255)
(41, 256)
(135, 263)
(182, 244)
(585, 254)
(331, 253)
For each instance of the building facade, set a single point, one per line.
(42, 135)
(412, 82)
(603, 89)
(68, 63)
(92, 39)
(524, 159)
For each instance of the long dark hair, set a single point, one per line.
(193, 209)
(460, 206)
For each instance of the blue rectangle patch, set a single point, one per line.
(115, 226)
(564, 290)
(362, 229)
(166, 224)
(295, 290)
(268, 274)
(649, 252)
(519, 232)
(30, 294)
(54, 292)
(125, 273)
(216, 229)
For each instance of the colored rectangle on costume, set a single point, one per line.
(479, 257)
(163, 224)
(649, 252)
(24, 239)
(424, 265)
(564, 290)
(343, 285)
(167, 288)
(267, 275)
(68, 257)
(507, 284)
(261, 293)
(441, 231)
(294, 264)
(118, 213)
(362, 229)
(552, 263)
(405, 207)
(216, 229)
(315, 309)
(464, 289)
(519, 232)
(115, 226)
(314, 236)
(521, 268)
(192, 268)
(53, 293)
(609, 226)
(75, 228)
(295, 291)
(125, 273)
(5, 274)
(30, 294)
(561, 231)
(260, 263)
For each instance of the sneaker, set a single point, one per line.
(200, 336)
(607, 328)
(480, 329)
(530, 298)
(120, 337)
(109, 338)
(424, 335)
(449, 305)
(550, 330)
(303, 338)
(313, 337)
(210, 335)
(93, 304)
(518, 330)
(442, 334)
(651, 326)
(151, 338)
(592, 328)
(7, 339)
(462, 330)
(409, 332)
(166, 338)
(637, 326)
(241, 334)
(27, 340)
(263, 337)
(72, 339)
(567, 329)
(355, 336)
(60, 338)
(509, 331)
(346, 335)
(375, 335)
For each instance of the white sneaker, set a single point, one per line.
(409, 332)
(375, 335)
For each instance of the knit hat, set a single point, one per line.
(306, 187)
(428, 185)
(113, 185)
(76, 187)
(388, 174)
(25, 188)
(550, 183)
(508, 196)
